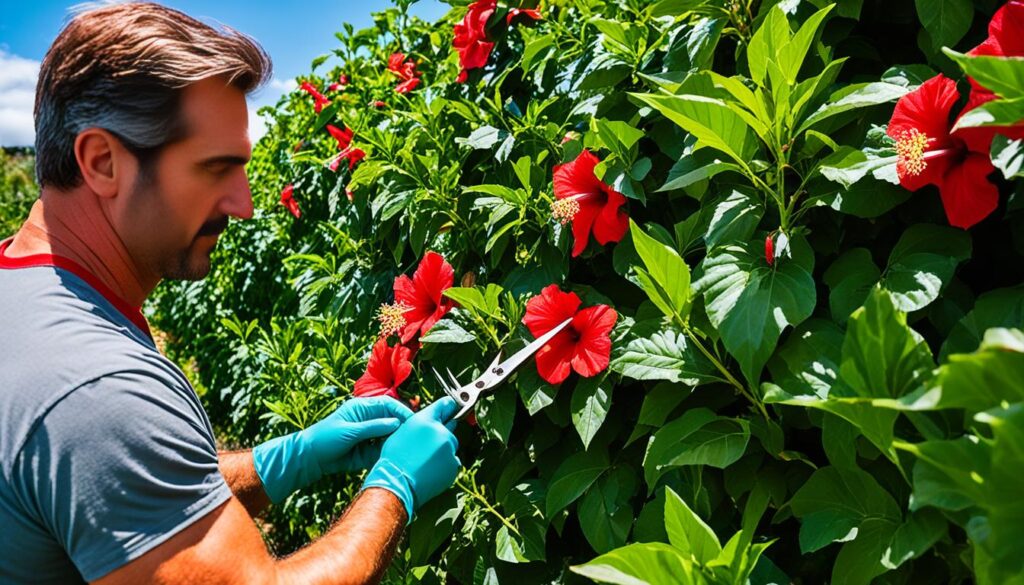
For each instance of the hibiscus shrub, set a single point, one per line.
(788, 236)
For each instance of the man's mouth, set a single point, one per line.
(214, 227)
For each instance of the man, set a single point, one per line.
(108, 467)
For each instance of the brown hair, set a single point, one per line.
(123, 68)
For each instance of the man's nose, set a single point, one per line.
(238, 202)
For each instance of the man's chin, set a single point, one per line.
(191, 265)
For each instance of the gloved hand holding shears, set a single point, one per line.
(418, 461)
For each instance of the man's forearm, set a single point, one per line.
(239, 472)
(357, 550)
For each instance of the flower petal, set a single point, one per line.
(554, 359)
(582, 223)
(577, 176)
(967, 194)
(612, 222)
(593, 324)
(549, 308)
(926, 109)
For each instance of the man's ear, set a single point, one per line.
(102, 160)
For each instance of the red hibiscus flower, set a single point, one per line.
(584, 345)
(471, 37)
(344, 140)
(928, 154)
(1005, 39)
(407, 86)
(289, 201)
(387, 369)
(406, 71)
(319, 100)
(588, 203)
(533, 13)
(423, 295)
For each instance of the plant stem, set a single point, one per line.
(487, 506)
(749, 395)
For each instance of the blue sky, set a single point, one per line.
(292, 33)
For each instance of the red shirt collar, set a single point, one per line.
(133, 314)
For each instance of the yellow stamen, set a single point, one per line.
(392, 318)
(910, 149)
(565, 209)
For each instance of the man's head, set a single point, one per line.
(145, 106)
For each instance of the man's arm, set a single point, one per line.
(239, 473)
(224, 547)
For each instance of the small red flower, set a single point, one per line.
(319, 100)
(407, 86)
(405, 70)
(471, 37)
(590, 204)
(423, 294)
(344, 140)
(533, 13)
(583, 346)
(379, 104)
(387, 369)
(289, 201)
(928, 154)
(769, 250)
(1005, 39)
(349, 194)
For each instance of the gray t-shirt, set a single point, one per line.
(105, 450)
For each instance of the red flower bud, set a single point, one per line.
(769, 250)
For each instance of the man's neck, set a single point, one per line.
(73, 225)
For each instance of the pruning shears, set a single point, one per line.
(466, 395)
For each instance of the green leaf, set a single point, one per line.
(447, 331)
(710, 120)
(735, 218)
(663, 355)
(998, 112)
(667, 278)
(651, 563)
(696, 438)
(947, 21)
(484, 137)
(496, 412)
(617, 136)
(767, 42)
(688, 532)
(991, 376)
(604, 511)
(469, 297)
(433, 525)
(882, 356)
(1004, 76)
(834, 503)
(808, 362)
(689, 170)
(523, 504)
(853, 97)
(792, 54)
(590, 402)
(999, 308)
(859, 561)
(850, 279)
(750, 302)
(923, 262)
(536, 393)
(1008, 155)
(914, 537)
(660, 402)
(573, 477)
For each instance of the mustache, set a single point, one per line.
(214, 226)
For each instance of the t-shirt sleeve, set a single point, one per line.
(119, 466)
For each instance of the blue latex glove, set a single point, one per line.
(338, 443)
(418, 462)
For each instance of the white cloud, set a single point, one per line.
(266, 96)
(17, 93)
(283, 85)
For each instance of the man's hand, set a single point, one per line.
(340, 442)
(418, 462)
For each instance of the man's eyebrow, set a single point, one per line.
(226, 159)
